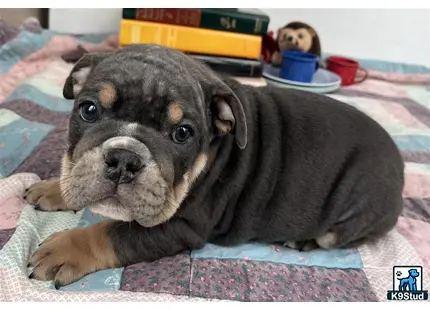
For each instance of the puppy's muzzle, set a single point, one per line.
(124, 158)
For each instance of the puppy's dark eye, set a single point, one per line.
(182, 133)
(300, 36)
(89, 112)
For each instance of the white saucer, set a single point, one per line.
(321, 90)
(323, 79)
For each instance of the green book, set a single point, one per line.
(249, 21)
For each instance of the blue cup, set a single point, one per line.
(298, 66)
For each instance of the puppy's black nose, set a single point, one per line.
(122, 165)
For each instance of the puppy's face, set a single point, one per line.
(141, 129)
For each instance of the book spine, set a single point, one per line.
(234, 22)
(191, 40)
(184, 17)
(231, 21)
(232, 66)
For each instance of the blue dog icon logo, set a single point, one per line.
(409, 283)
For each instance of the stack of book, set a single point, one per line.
(228, 40)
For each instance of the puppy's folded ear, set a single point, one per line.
(77, 77)
(228, 115)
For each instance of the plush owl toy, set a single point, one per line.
(296, 36)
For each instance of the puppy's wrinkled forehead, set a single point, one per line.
(147, 80)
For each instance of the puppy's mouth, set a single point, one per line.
(120, 180)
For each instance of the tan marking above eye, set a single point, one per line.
(175, 113)
(107, 95)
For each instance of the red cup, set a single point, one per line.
(347, 69)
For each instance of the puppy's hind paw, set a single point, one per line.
(328, 240)
(301, 246)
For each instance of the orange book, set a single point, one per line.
(191, 40)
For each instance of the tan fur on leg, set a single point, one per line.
(70, 255)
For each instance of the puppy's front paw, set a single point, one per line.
(46, 195)
(67, 256)
(60, 260)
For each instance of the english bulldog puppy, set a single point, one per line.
(177, 156)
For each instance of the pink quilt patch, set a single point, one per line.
(417, 232)
(416, 185)
(10, 210)
(384, 88)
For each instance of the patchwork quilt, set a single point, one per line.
(33, 124)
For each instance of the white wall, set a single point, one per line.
(385, 34)
(83, 21)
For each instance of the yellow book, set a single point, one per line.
(191, 40)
